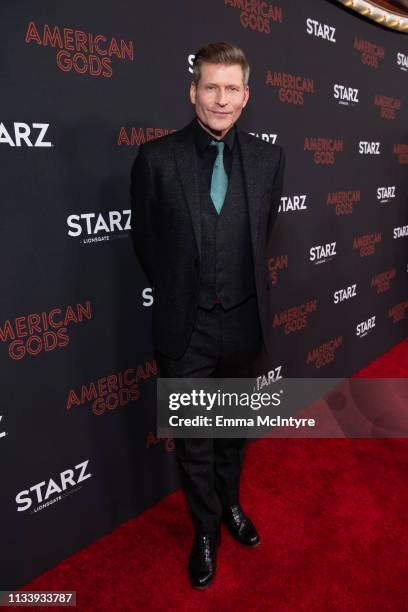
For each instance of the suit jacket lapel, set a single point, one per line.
(252, 177)
(186, 161)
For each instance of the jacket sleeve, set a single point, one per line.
(142, 194)
(276, 194)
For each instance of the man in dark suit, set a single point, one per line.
(204, 200)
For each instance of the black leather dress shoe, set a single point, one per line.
(240, 526)
(202, 559)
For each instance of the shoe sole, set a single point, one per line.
(202, 588)
(244, 543)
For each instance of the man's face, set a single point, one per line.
(219, 97)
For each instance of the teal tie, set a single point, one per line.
(219, 178)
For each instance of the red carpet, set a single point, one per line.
(332, 515)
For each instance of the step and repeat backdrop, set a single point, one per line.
(82, 86)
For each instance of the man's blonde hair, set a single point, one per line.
(220, 53)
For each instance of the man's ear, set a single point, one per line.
(246, 96)
(193, 92)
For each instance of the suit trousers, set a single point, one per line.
(224, 343)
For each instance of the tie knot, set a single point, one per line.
(219, 144)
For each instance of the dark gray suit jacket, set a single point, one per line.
(166, 230)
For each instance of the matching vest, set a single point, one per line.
(227, 267)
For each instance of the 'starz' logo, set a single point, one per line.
(3, 434)
(113, 226)
(345, 95)
(320, 30)
(322, 252)
(363, 328)
(52, 489)
(22, 132)
(272, 376)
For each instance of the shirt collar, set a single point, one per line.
(203, 138)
